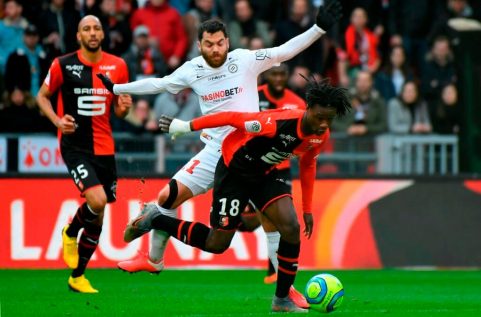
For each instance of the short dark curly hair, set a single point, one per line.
(321, 92)
(211, 26)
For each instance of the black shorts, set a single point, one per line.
(232, 193)
(283, 175)
(88, 170)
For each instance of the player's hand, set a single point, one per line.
(308, 223)
(173, 126)
(164, 123)
(67, 124)
(124, 103)
(106, 81)
(329, 14)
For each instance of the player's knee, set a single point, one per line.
(168, 195)
(97, 203)
(218, 242)
(217, 248)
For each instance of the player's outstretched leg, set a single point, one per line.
(141, 262)
(154, 261)
(141, 224)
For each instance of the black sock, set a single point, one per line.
(288, 256)
(82, 215)
(87, 246)
(270, 270)
(192, 233)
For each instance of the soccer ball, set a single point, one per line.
(324, 292)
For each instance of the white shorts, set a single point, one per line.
(198, 173)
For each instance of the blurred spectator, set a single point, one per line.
(368, 115)
(410, 23)
(301, 18)
(139, 120)
(270, 11)
(11, 30)
(245, 26)
(21, 115)
(375, 10)
(118, 35)
(361, 45)
(27, 66)
(297, 81)
(182, 6)
(439, 70)
(394, 74)
(202, 10)
(166, 28)
(408, 113)
(144, 59)
(454, 9)
(58, 28)
(445, 115)
(183, 106)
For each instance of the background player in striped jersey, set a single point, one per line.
(86, 142)
(224, 81)
(247, 171)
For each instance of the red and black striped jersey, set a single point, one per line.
(265, 139)
(83, 96)
(289, 100)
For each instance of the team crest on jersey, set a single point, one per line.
(253, 126)
(224, 221)
(75, 69)
(233, 68)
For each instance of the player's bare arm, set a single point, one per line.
(66, 124)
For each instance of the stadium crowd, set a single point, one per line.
(395, 56)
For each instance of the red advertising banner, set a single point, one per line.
(33, 212)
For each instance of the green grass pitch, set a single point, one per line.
(234, 293)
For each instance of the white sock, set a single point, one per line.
(160, 238)
(273, 239)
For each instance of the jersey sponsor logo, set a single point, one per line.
(318, 141)
(75, 69)
(108, 67)
(253, 126)
(262, 55)
(286, 139)
(91, 106)
(289, 138)
(222, 94)
(91, 91)
(216, 77)
(275, 157)
(233, 68)
(290, 106)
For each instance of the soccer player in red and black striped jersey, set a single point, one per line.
(247, 170)
(274, 94)
(85, 135)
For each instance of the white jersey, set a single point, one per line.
(230, 87)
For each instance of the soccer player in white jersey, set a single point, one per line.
(224, 81)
